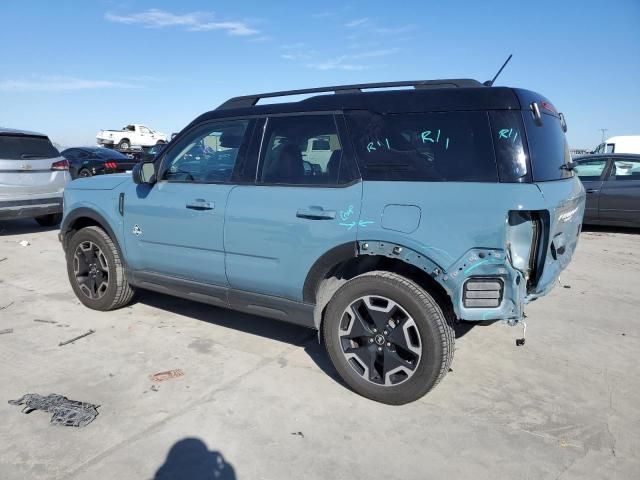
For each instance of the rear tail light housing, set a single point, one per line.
(481, 292)
(111, 165)
(60, 165)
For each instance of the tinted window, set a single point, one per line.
(69, 153)
(624, 169)
(208, 154)
(548, 148)
(301, 150)
(508, 143)
(449, 146)
(26, 147)
(590, 169)
(108, 153)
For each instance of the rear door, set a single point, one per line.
(620, 193)
(26, 167)
(591, 172)
(298, 208)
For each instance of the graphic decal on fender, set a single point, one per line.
(136, 230)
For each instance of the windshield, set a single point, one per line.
(26, 147)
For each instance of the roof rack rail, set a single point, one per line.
(252, 100)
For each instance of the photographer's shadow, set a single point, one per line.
(190, 459)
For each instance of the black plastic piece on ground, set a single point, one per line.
(69, 413)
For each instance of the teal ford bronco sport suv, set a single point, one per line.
(377, 217)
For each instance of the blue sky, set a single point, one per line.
(70, 68)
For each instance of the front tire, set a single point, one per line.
(387, 337)
(50, 220)
(96, 271)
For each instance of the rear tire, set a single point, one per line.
(84, 173)
(124, 144)
(50, 220)
(95, 270)
(387, 337)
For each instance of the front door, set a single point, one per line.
(300, 206)
(175, 226)
(620, 193)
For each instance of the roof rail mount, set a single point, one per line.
(252, 100)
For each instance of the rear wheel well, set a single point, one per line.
(346, 270)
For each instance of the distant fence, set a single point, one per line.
(579, 151)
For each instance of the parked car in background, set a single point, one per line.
(89, 161)
(620, 144)
(130, 135)
(33, 175)
(377, 217)
(152, 152)
(612, 183)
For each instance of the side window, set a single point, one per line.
(424, 147)
(206, 155)
(610, 148)
(144, 130)
(301, 150)
(508, 143)
(625, 170)
(590, 169)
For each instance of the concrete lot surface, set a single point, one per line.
(258, 399)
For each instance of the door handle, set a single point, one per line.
(200, 204)
(592, 190)
(316, 213)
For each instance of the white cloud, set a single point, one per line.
(352, 61)
(394, 30)
(338, 63)
(295, 56)
(193, 21)
(60, 84)
(358, 22)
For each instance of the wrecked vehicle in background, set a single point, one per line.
(376, 217)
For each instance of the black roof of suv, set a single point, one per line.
(426, 95)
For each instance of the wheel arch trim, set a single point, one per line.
(70, 220)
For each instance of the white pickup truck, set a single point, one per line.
(130, 135)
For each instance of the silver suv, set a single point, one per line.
(32, 177)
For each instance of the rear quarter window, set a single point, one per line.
(548, 148)
(26, 147)
(424, 147)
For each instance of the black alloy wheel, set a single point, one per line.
(91, 270)
(380, 340)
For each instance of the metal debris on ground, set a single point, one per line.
(77, 338)
(6, 306)
(69, 413)
(25, 243)
(169, 374)
(299, 434)
(44, 321)
(6, 330)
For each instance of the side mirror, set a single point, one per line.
(144, 172)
